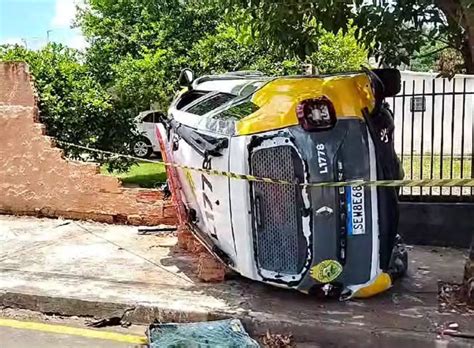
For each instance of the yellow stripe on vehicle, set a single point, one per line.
(73, 331)
(279, 98)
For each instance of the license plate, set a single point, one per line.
(355, 210)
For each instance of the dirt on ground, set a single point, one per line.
(453, 298)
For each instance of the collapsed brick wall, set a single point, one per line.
(35, 179)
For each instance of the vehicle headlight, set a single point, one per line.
(316, 114)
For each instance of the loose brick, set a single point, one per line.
(210, 269)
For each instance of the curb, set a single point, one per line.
(68, 307)
(323, 334)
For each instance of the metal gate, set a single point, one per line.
(434, 135)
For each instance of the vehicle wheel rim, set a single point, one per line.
(140, 148)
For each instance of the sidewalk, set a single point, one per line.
(91, 269)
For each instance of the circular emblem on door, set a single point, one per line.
(326, 271)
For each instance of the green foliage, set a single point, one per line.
(138, 48)
(391, 30)
(338, 52)
(132, 28)
(427, 57)
(150, 79)
(450, 63)
(227, 51)
(439, 58)
(73, 106)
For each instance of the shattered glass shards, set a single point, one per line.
(216, 334)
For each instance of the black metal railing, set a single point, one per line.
(434, 135)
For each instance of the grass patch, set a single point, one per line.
(422, 168)
(144, 174)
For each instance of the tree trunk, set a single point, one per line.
(469, 274)
(468, 12)
(468, 55)
(459, 11)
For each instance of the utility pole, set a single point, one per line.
(47, 35)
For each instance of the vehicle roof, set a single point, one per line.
(233, 82)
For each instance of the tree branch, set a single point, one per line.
(433, 52)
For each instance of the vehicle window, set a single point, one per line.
(237, 112)
(158, 117)
(148, 118)
(250, 88)
(188, 98)
(210, 103)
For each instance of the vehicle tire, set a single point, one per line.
(142, 148)
(159, 155)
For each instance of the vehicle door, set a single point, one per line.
(147, 125)
(148, 128)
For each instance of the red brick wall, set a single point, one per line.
(35, 179)
(15, 87)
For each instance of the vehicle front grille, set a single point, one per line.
(280, 243)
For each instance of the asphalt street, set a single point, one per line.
(31, 334)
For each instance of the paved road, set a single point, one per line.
(25, 334)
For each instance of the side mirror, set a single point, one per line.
(186, 78)
(391, 79)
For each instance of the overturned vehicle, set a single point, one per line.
(300, 130)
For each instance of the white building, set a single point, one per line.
(429, 105)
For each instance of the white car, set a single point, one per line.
(147, 144)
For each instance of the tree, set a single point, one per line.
(131, 28)
(230, 49)
(459, 21)
(73, 106)
(149, 80)
(392, 30)
(338, 52)
(427, 57)
(227, 50)
(138, 48)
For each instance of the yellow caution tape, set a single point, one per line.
(466, 182)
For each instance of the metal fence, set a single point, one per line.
(434, 134)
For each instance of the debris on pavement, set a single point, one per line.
(452, 329)
(115, 320)
(210, 269)
(221, 333)
(270, 340)
(64, 223)
(452, 298)
(160, 229)
(453, 326)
